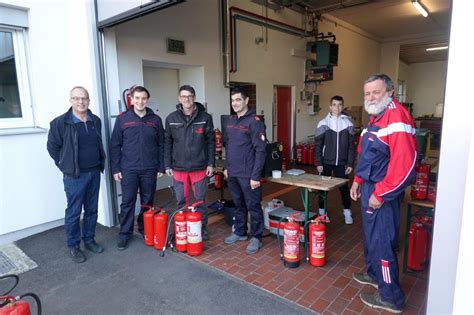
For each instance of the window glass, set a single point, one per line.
(10, 106)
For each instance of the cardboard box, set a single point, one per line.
(355, 112)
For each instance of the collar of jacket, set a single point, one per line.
(68, 116)
(149, 111)
(247, 113)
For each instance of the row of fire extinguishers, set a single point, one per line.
(304, 153)
(419, 242)
(314, 237)
(187, 230)
(16, 305)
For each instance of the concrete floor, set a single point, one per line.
(136, 281)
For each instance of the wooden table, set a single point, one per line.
(308, 182)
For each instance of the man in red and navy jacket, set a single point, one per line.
(387, 157)
(136, 153)
(245, 159)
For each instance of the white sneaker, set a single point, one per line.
(348, 216)
(322, 211)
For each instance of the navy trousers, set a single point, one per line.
(246, 200)
(381, 227)
(82, 191)
(132, 181)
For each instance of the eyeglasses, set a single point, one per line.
(189, 97)
(77, 99)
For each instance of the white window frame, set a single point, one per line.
(20, 48)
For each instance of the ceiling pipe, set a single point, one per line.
(250, 17)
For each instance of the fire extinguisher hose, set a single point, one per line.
(16, 280)
(36, 298)
(278, 237)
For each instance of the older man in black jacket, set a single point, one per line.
(189, 150)
(75, 144)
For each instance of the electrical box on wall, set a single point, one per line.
(313, 106)
(326, 53)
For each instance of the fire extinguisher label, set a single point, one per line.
(181, 233)
(317, 245)
(292, 244)
(194, 232)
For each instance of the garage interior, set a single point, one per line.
(390, 23)
(401, 31)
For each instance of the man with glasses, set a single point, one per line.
(189, 150)
(137, 160)
(75, 144)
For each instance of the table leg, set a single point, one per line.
(305, 197)
(407, 235)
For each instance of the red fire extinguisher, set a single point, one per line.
(418, 243)
(160, 223)
(194, 230)
(11, 305)
(127, 97)
(419, 188)
(299, 153)
(304, 155)
(218, 180)
(218, 141)
(180, 231)
(290, 253)
(316, 242)
(148, 230)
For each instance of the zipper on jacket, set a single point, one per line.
(337, 141)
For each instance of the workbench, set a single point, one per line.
(308, 182)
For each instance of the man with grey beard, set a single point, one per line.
(387, 156)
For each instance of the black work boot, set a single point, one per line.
(205, 235)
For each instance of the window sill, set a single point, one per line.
(22, 131)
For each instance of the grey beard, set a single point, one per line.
(378, 107)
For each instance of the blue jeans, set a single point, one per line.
(81, 191)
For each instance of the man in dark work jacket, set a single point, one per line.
(137, 160)
(75, 144)
(245, 159)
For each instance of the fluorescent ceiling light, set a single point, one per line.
(420, 8)
(437, 48)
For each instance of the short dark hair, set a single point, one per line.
(188, 88)
(139, 88)
(389, 86)
(240, 90)
(337, 98)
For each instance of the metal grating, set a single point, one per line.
(14, 261)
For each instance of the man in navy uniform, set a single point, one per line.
(245, 159)
(137, 147)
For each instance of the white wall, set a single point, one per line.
(144, 39)
(451, 277)
(426, 86)
(359, 57)
(33, 198)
